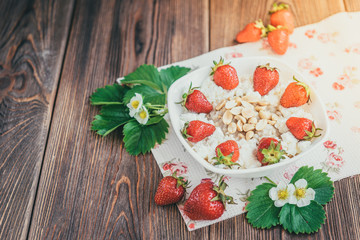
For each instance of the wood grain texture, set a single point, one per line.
(90, 188)
(33, 36)
(228, 17)
(351, 5)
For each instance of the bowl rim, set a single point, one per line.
(240, 172)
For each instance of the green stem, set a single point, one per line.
(270, 180)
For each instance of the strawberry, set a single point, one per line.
(269, 151)
(252, 32)
(196, 130)
(265, 78)
(225, 75)
(195, 101)
(302, 128)
(207, 201)
(278, 39)
(281, 16)
(296, 94)
(171, 189)
(227, 153)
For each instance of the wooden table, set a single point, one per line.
(58, 179)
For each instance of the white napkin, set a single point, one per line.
(328, 54)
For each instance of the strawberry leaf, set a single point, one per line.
(262, 212)
(110, 94)
(142, 138)
(171, 74)
(149, 94)
(110, 118)
(147, 75)
(302, 219)
(317, 180)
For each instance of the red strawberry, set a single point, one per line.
(278, 39)
(269, 151)
(171, 189)
(281, 16)
(207, 201)
(227, 153)
(265, 79)
(196, 130)
(252, 32)
(195, 101)
(302, 128)
(296, 94)
(225, 75)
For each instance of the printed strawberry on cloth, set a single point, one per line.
(328, 55)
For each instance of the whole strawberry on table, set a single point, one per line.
(170, 190)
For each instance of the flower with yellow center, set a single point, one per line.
(142, 116)
(302, 195)
(135, 104)
(281, 194)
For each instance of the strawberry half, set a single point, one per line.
(269, 151)
(278, 39)
(302, 128)
(195, 101)
(296, 94)
(227, 153)
(225, 75)
(196, 130)
(252, 32)
(207, 201)
(265, 79)
(171, 189)
(281, 16)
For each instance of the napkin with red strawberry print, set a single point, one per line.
(328, 55)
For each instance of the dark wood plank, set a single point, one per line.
(228, 17)
(33, 36)
(90, 188)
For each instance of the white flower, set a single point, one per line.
(302, 195)
(135, 104)
(142, 116)
(281, 194)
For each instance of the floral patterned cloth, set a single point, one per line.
(328, 54)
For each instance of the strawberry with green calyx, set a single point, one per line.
(252, 32)
(207, 201)
(278, 38)
(302, 128)
(296, 94)
(170, 190)
(269, 151)
(265, 79)
(280, 15)
(227, 153)
(195, 101)
(224, 75)
(196, 130)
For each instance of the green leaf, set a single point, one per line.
(149, 94)
(317, 180)
(147, 75)
(262, 212)
(110, 94)
(154, 120)
(110, 118)
(171, 74)
(302, 219)
(142, 138)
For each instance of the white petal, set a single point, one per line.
(142, 120)
(280, 203)
(291, 189)
(310, 194)
(292, 199)
(303, 202)
(301, 183)
(132, 111)
(273, 193)
(281, 185)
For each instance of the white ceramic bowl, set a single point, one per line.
(244, 66)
